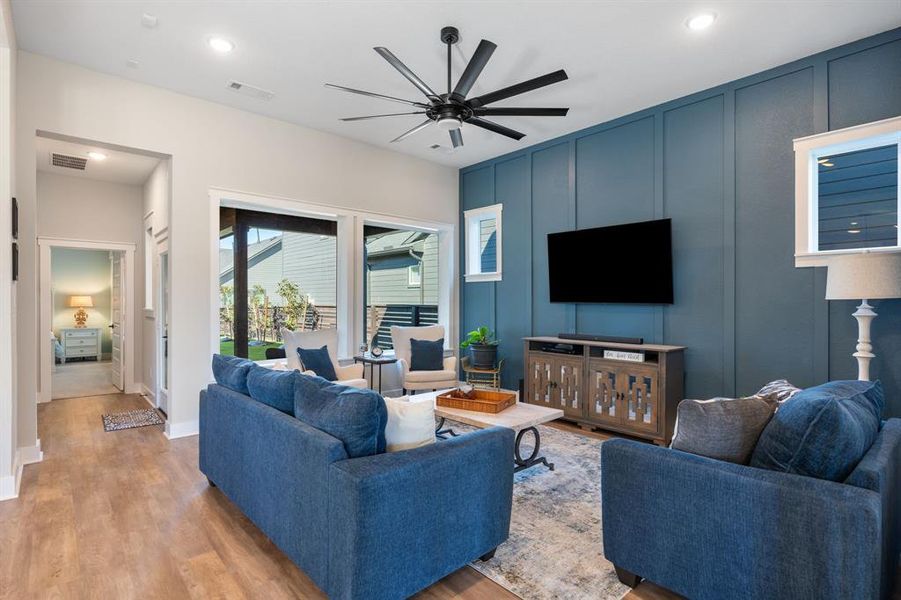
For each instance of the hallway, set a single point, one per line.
(79, 379)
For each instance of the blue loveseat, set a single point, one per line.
(376, 527)
(709, 529)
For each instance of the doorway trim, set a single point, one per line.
(45, 321)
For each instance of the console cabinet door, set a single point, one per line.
(603, 398)
(539, 386)
(568, 385)
(639, 397)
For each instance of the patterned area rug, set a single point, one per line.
(554, 550)
(133, 418)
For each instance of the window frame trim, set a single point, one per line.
(471, 220)
(807, 151)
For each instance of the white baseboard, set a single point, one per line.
(134, 388)
(27, 455)
(148, 395)
(9, 485)
(180, 430)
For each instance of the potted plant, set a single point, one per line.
(482, 347)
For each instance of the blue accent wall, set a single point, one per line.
(720, 164)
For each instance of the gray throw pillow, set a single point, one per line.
(721, 428)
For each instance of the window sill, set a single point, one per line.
(821, 259)
(474, 277)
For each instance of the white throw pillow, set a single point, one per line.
(411, 424)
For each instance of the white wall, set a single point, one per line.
(9, 464)
(96, 211)
(211, 146)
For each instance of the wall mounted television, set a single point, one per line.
(625, 264)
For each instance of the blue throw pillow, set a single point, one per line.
(822, 431)
(318, 361)
(354, 416)
(427, 355)
(275, 388)
(231, 372)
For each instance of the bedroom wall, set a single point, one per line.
(210, 146)
(720, 164)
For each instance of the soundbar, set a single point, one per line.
(587, 337)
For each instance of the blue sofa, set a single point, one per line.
(709, 529)
(377, 527)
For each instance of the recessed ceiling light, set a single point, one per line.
(221, 44)
(96, 155)
(149, 21)
(701, 21)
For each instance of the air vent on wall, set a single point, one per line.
(250, 90)
(68, 162)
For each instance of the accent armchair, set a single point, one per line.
(422, 380)
(351, 375)
(709, 529)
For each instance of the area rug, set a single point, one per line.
(554, 550)
(133, 418)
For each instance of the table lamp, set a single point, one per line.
(81, 303)
(865, 276)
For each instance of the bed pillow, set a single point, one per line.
(824, 431)
(427, 355)
(272, 387)
(318, 361)
(356, 417)
(231, 372)
(721, 428)
(411, 424)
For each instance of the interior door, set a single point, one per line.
(117, 374)
(162, 364)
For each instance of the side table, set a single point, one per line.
(372, 361)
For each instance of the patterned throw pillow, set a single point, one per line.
(777, 391)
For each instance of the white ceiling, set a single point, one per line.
(621, 56)
(119, 167)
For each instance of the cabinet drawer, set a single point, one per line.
(77, 335)
(78, 342)
(77, 351)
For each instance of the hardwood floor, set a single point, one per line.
(128, 515)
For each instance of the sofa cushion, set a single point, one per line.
(231, 372)
(777, 391)
(272, 387)
(426, 355)
(318, 361)
(411, 424)
(431, 376)
(824, 431)
(356, 417)
(721, 428)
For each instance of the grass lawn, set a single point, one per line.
(256, 352)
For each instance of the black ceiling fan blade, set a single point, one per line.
(374, 95)
(519, 88)
(520, 112)
(407, 134)
(421, 112)
(473, 70)
(456, 137)
(406, 72)
(510, 133)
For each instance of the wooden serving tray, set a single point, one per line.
(486, 401)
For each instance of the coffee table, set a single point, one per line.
(521, 418)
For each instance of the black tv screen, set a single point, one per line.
(628, 264)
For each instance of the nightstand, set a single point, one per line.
(80, 343)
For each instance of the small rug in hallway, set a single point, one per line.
(133, 418)
(554, 550)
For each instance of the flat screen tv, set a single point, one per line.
(626, 264)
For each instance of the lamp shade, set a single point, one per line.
(81, 302)
(867, 276)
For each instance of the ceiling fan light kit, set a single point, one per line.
(451, 110)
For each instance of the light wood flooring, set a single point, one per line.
(128, 514)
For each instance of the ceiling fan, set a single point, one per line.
(449, 111)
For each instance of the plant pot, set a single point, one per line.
(483, 356)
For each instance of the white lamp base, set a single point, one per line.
(864, 315)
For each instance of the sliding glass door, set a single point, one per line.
(275, 271)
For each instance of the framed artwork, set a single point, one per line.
(15, 219)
